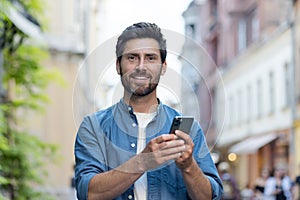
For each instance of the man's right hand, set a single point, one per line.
(160, 150)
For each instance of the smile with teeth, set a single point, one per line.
(141, 77)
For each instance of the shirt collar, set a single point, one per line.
(129, 108)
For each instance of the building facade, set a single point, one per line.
(252, 44)
(70, 36)
(296, 125)
(198, 67)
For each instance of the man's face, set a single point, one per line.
(140, 67)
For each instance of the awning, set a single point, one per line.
(252, 144)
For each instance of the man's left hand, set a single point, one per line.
(186, 158)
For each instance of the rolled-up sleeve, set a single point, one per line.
(216, 188)
(205, 162)
(87, 156)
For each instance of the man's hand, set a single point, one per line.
(186, 159)
(160, 150)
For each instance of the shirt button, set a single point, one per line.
(132, 145)
(133, 124)
(130, 196)
(129, 108)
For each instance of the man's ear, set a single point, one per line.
(118, 67)
(164, 68)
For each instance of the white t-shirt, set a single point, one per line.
(140, 186)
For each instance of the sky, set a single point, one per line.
(118, 14)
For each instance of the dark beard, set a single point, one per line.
(144, 91)
(138, 91)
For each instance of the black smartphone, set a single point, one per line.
(183, 123)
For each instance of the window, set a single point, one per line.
(271, 92)
(249, 102)
(255, 28)
(242, 34)
(239, 107)
(214, 8)
(77, 10)
(231, 111)
(287, 84)
(259, 98)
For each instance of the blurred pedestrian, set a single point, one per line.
(260, 183)
(279, 185)
(74, 192)
(247, 193)
(230, 188)
(297, 185)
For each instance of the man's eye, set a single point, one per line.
(131, 57)
(151, 58)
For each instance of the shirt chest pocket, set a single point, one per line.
(119, 148)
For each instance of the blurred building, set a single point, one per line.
(252, 105)
(296, 35)
(70, 36)
(198, 69)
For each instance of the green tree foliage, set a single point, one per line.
(24, 80)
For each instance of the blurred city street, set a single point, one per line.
(234, 66)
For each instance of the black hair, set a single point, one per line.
(142, 30)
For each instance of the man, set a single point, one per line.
(126, 151)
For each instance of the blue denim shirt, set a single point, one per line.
(108, 138)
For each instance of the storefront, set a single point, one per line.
(250, 156)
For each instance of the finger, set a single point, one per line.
(184, 136)
(160, 142)
(172, 150)
(165, 138)
(169, 157)
(186, 154)
(183, 158)
(173, 144)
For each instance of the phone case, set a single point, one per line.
(183, 123)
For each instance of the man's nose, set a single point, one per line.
(142, 65)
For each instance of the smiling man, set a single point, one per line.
(126, 150)
(140, 67)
